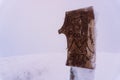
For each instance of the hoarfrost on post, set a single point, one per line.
(83, 73)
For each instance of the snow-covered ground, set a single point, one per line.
(52, 67)
(34, 67)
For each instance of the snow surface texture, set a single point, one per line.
(33, 67)
(52, 67)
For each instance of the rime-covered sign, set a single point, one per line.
(79, 28)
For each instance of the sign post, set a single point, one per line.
(79, 30)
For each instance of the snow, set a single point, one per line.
(52, 67)
(33, 67)
(21, 33)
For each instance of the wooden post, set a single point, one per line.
(79, 28)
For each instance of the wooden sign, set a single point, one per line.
(79, 30)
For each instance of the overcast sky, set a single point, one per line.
(30, 26)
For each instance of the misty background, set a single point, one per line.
(31, 26)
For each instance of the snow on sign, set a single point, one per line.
(78, 28)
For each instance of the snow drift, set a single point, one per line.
(52, 67)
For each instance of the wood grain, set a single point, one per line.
(79, 30)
